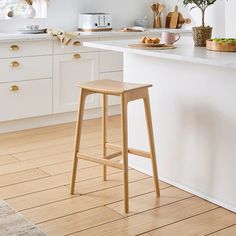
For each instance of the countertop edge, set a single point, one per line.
(9, 37)
(160, 54)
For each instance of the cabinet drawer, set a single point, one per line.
(27, 48)
(75, 46)
(25, 99)
(111, 61)
(28, 68)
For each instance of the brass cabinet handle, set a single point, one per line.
(14, 88)
(15, 64)
(77, 56)
(15, 47)
(77, 43)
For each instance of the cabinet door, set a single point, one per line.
(69, 71)
(111, 61)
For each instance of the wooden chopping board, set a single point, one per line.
(172, 19)
(152, 46)
(182, 21)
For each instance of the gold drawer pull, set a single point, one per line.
(14, 88)
(77, 56)
(15, 47)
(77, 43)
(15, 64)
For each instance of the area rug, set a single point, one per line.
(13, 223)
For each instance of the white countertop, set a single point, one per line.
(10, 37)
(147, 31)
(185, 51)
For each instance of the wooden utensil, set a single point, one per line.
(174, 18)
(154, 9)
(157, 8)
(158, 17)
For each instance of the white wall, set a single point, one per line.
(230, 27)
(63, 13)
(215, 17)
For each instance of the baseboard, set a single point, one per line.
(185, 188)
(54, 119)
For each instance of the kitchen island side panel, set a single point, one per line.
(194, 118)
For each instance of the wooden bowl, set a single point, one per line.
(220, 47)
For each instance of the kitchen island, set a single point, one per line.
(193, 103)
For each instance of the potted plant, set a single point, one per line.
(203, 32)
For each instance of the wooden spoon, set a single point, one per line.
(157, 7)
(154, 9)
(160, 8)
(158, 16)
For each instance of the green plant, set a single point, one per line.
(201, 4)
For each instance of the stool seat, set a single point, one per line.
(111, 87)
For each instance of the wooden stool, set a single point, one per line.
(128, 92)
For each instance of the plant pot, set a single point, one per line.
(201, 35)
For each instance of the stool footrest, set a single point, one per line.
(113, 155)
(130, 150)
(100, 161)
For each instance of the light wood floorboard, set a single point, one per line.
(7, 159)
(230, 231)
(202, 224)
(35, 174)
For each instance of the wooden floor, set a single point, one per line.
(35, 171)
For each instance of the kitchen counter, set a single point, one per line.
(147, 31)
(12, 37)
(193, 103)
(185, 51)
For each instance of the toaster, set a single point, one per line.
(95, 21)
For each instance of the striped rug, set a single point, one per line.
(13, 223)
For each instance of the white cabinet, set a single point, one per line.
(69, 70)
(25, 79)
(111, 61)
(25, 99)
(25, 68)
(75, 46)
(26, 48)
(47, 76)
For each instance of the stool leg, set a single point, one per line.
(124, 129)
(151, 141)
(104, 132)
(78, 138)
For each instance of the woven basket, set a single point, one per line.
(201, 35)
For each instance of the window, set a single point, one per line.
(21, 9)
